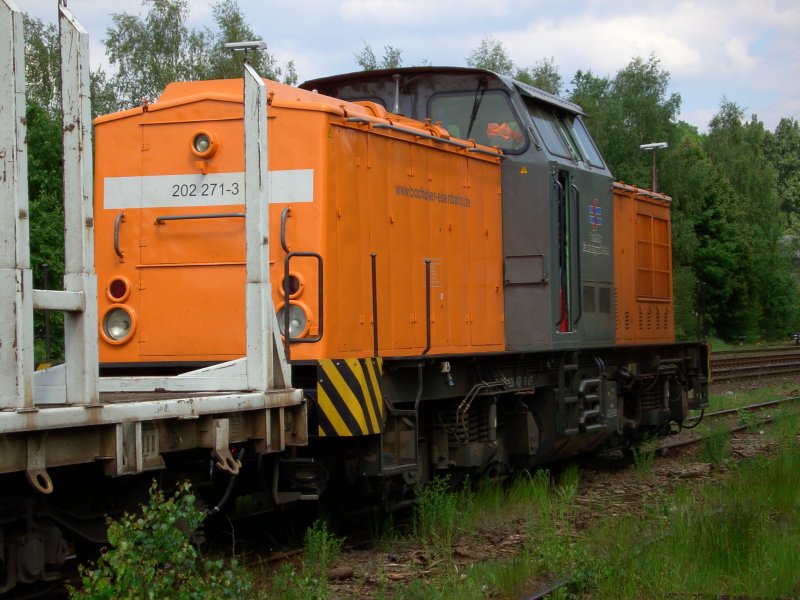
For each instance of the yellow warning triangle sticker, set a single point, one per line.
(523, 171)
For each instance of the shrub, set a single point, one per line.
(151, 556)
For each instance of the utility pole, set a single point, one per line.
(652, 148)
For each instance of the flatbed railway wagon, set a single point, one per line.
(75, 447)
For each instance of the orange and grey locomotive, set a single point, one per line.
(460, 284)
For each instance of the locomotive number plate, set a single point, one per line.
(214, 189)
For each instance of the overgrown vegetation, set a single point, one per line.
(151, 555)
(734, 536)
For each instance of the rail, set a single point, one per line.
(726, 368)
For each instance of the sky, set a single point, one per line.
(747, 51)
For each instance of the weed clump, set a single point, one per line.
(152, 556)
(321, 550)
(436, 516)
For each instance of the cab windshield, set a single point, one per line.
(485, 116)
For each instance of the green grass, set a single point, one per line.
(643, 456)
(715, 446)
(737, 536)
(437, 515)
(738, 399)
(309, 579)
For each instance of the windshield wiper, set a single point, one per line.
(482, 85)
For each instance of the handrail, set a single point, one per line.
(427, 306)
(373, 258)
(120, 218)
(287, 335)
(426, 136)
(163, 218)
(578, 250)
(562, 255)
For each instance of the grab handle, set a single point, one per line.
(163, 219)
(120, 218)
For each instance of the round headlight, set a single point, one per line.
(203, 144)
(117, 324)
(297, 320)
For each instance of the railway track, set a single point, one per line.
(733, 366)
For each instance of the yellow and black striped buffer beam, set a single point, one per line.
(349, 397)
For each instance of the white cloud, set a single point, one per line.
(426, 14)
(739, 55)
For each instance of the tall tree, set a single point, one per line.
(233, 27)
(739, 148)
(639, 111)
(42, 64)
(591, 93)
(152, 51)
(45, 167)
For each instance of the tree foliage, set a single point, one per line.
(491, 54)
(739, 148)
(153, 50)
(544, 74)
(632, 109)
(783, 151)
(368, 61)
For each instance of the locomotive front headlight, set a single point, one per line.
(203, 144)
(118, 324)
(298, 320)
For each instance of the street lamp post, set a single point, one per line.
(652, 148)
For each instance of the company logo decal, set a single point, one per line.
(595, 215)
